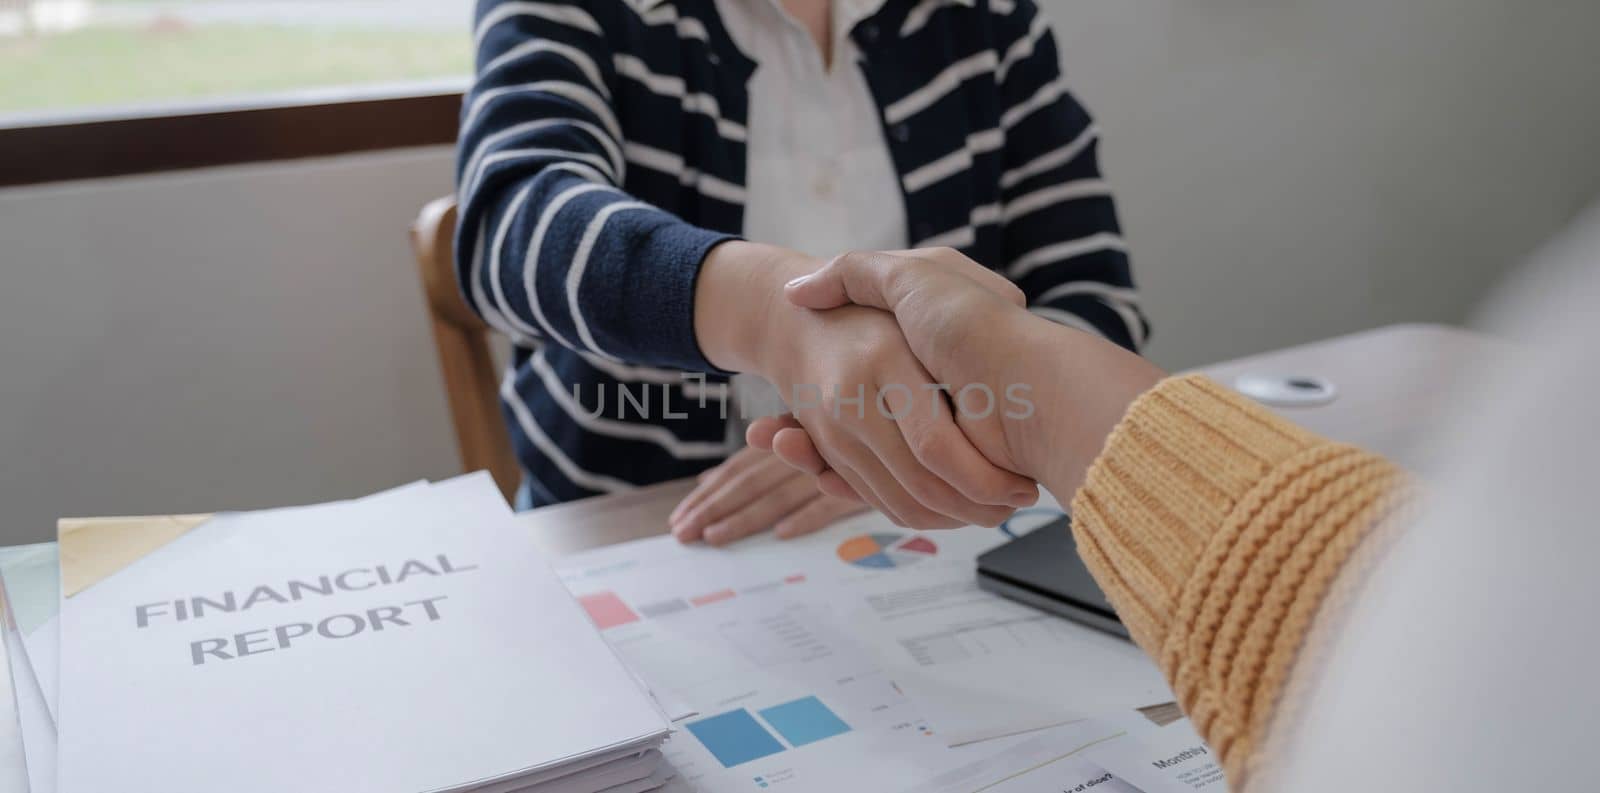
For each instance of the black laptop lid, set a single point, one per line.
(1045, 561)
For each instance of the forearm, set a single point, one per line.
(1216, 528)
(1079, 386)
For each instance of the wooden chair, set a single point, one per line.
(471, 382)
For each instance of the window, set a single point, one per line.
(99, 88)
(71, 56)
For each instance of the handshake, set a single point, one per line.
(919, 385)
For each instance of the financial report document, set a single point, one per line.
(416, 642)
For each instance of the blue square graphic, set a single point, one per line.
(734, 737)
(804, 721)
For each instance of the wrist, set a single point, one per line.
(739, 298)
(1081, 386)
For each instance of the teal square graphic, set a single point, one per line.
(734, 737)
(805, 720)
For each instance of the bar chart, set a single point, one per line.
(608, 610)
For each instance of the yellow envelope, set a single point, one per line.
(92, 549)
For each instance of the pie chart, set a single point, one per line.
(884, 550)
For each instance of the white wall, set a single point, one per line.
(1293, 169)
(1288, 170)
(236, 338)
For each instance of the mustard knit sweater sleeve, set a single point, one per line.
(1216, 528)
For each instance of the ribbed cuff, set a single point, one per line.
(1215, 528)
(661, 306)
(1170, 473)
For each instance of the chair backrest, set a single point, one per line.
(462, 339)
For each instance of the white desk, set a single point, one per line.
(1391, 381)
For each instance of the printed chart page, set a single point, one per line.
(755, 641)
(983, 666)
(783, 699)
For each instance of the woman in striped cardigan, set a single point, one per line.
(638, 178)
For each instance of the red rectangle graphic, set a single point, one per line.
(607, 610)
(712, 597)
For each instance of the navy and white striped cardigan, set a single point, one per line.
(602, 154)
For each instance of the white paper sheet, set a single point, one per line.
(33, 718)
(1170, 759)
(984, 667)
(1118, 753)
(43, 646)
(13, 759)
(33, 582)
(1068, 775)
(1051, 760)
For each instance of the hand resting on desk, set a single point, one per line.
(750, 492)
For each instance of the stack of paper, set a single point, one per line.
(18, 677)
(28, 573)
(410, 641)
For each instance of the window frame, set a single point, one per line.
(50, 147)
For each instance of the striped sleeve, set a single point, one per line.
(1063, 244)
(548, 246)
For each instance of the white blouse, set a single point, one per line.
(819, 178)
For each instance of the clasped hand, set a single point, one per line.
(961, 322)
(869, 420)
